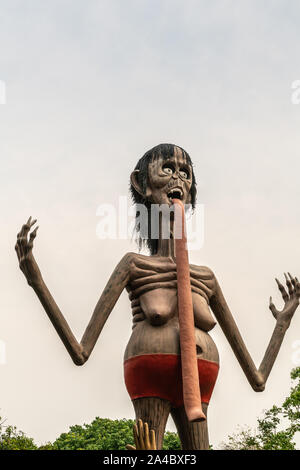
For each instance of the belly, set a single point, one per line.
(164, 339)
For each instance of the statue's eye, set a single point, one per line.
(184, 174)
(168, 169)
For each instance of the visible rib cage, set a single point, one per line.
(149, 273)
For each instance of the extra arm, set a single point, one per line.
(79, 352)
(257, 377)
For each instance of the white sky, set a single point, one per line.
(90, 87)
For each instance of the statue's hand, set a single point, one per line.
(290, 298)
(142, 438)
(23, 248)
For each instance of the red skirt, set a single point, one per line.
(159, 375)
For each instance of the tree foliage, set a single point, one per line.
(276, 429)
(105, 434)
(12, 439)
(101, 434)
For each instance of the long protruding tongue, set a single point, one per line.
(190, 376)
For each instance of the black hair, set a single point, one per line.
(164, 151)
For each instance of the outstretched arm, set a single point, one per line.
(258, 377)
(79, 352)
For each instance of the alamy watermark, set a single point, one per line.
(119, 222)
(2, 92)
(295, 97)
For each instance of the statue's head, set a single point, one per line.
(163, 173)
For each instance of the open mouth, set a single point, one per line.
(175, 193)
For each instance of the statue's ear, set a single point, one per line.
(134, 182)
(136, 185)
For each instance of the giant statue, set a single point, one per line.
(171, 362)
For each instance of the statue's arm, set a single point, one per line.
(257, 377)
(79, 352)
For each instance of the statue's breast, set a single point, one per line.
(153, 292)
(159, 305)
(202, 315)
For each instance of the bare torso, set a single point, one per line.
(153, 293)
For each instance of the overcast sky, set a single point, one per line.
(90, 86)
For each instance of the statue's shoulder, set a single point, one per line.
(132, 257)
(204, 272)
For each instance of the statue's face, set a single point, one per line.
(168, 179)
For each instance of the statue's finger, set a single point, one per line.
(32, 223)
(24, 231)
(297, 288)
(31, 239)
(26, 227)
(282, 290)
(293, 280)
(152, 440)
(146, 434)
(273, 309)
(33, 234)
(130, 447)
(141, 434)
(17, 250)
(289, 285)
(136, 437)
(21, 242)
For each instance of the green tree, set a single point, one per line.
(101, 434)
(12, 439)
(276, 429)
(105, 434)
(171, 441)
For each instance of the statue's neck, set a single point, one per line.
(166, 246)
